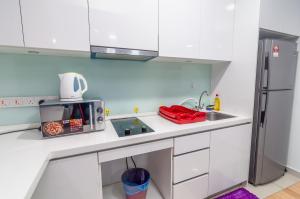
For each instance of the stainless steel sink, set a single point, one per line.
(213, 116)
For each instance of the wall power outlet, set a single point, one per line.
(31, 101)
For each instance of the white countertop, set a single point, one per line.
(24, 155)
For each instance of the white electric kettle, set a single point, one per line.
(72, 86)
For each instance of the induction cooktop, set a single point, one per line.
(130, 126)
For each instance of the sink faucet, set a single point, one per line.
(201, 106)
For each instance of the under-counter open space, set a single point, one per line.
(158, 162)
(112, 171)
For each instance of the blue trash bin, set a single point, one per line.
(135, 182)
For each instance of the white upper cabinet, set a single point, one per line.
(196, 29)
(217, 29)
(281, 16)
(179, 28)
(56, 24)
(10, 23)
(124, 24)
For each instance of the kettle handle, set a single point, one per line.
(80, 77)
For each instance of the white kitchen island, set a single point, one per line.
(26, 157)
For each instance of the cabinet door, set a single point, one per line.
(56, 24)
(280, 16)
(196, 29)
(179, 28)
(10, 23)
(124, 24)
(217, 28)
(229, 157)
(70, 178)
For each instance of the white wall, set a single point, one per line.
(294, 146)
(281, 16)
(236, 83)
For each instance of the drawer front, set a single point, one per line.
(190, 165)
(196, 188)
(190, 143)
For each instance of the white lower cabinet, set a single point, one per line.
(196, 188)
(229, 157)
(70, 178)
(212, 168)
(190, 165)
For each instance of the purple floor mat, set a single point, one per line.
(239, 194)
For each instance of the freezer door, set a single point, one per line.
(274, 130)
(280, 64)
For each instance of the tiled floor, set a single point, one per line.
(269, 189)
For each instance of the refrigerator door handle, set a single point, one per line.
(262, 118)
(267, 70)
(263, 112)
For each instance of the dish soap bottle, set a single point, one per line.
(217, 103)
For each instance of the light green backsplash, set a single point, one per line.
(122, 84)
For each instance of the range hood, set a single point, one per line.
(100, 52)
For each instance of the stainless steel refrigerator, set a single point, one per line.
(276, 68)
